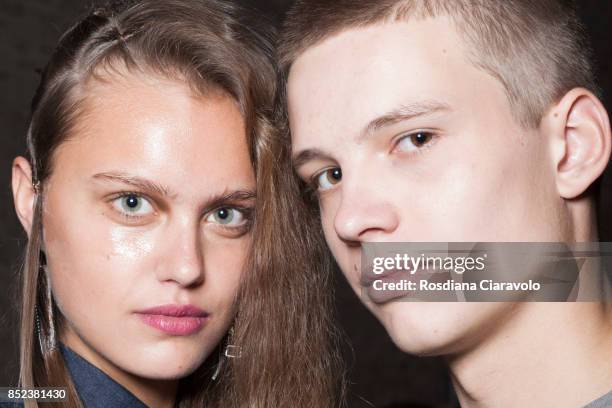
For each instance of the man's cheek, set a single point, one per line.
(327, 221)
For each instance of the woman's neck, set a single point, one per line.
(153, 393)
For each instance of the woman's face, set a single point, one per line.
(146, 224)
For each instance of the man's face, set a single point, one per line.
(407, 140)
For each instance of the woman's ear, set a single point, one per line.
(581, 139)
(24, 193)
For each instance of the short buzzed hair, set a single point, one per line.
(537, 49)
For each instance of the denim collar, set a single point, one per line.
(95, 388)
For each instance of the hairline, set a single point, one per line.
(399, 14)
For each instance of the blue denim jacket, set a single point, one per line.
(96, 389)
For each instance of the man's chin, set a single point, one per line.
(431, 329)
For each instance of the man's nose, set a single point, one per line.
(364, 215)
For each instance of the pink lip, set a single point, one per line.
(179, 320)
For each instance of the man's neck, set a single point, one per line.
(547, 354)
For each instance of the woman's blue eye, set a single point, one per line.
(227, 216)
(133, 205)
(328, 178)
(414, 141)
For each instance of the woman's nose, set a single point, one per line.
(184, 260)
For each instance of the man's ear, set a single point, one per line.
(24, 193)
(580, 130)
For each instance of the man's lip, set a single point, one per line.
(368, 278)
(174, 310)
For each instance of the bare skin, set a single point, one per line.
(430, 150)
(177, 237)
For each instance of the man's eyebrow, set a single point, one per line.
(137, 182)
(405, 112)
(307, 155)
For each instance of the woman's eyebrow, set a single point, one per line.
(148, 185)
(229, 198)
(138, 182)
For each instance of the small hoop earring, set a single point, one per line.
(230, 351)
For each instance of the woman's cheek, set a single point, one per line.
(224, 267)
(92, 266)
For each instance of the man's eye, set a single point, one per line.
(227, 216)
(414, 141)
(133, 205)
(328, 178)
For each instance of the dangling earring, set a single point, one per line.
(50, 342)
(230, 351)
(38, 331)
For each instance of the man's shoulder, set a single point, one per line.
(603, 402)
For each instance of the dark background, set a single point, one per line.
(379, 373)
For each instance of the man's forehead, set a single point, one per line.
(363, 73)
(405, 36)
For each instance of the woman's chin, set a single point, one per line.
(164, 365)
